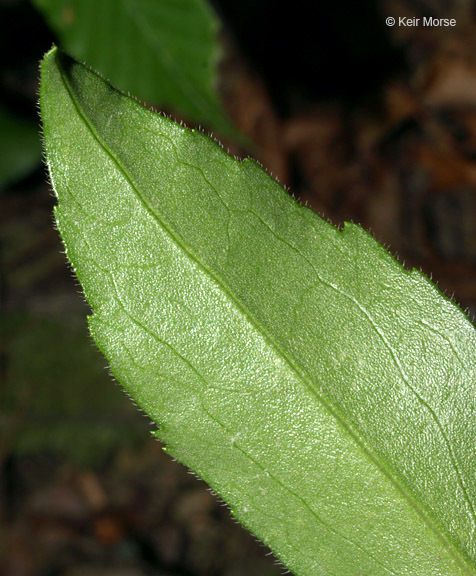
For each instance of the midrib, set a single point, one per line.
(435, 526)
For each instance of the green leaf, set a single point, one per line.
(163, 51)
(86, 429)
(20, 149)
(326, 393)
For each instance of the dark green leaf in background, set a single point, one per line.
(325, 392)
(20, 148)
(56, 401)
(163, 51)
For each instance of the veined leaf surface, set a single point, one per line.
(163, 51)
(325, 392)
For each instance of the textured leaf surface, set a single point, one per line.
(326, 393)
(163, 51)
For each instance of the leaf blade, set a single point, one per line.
(194, 210)
(165, 52)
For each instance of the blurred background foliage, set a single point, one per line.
(361, 121)
(163, 52)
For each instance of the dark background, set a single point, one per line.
(361, 121)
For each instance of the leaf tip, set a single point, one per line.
(48, 56)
